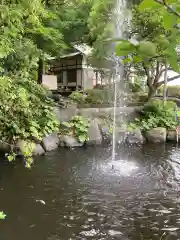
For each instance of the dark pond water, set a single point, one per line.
(87, 196)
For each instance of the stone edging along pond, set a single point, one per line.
(98, 131)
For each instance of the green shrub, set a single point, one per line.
(171, 104)
(25, 112)
(142, 97)
(159, 107)
(139, 97)
(95, 96)
(135, 86)
(100, 96)
(77, 97)
(77, 126)
(156, 114)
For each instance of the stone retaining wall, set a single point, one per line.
(67, 114)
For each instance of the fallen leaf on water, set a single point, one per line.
(2, 215)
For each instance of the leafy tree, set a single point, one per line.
(157, 37)
(29, 31)
(101, 26)
(23, 24)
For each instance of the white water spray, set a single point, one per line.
(118, 78)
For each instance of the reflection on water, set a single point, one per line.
(83, 194)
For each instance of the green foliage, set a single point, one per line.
(28, 31)
(25, 113)
(2, 216)
(78, 97)
(137, 97)
(93, 96)
(101, 27)
(156, 114)
(147, 49)
(154, 25)
(164, 36)
(100, 96)
(75, 20)
(124, 48)
(18, 116)
(153, 39)
(27, 148)
(77, 126)
(135, 86)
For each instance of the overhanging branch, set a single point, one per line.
(163, 2)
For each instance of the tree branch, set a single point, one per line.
(149, 78)
(163, 2)
(156, 78)
(146, 70)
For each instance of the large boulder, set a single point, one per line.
(50, 142)
(64, 115)
(156, 135)
(105, 132)
(120, 134)
(69, 141)
(172, 135)
(19, 147)
(38, 150)
(94, 133)
(134, 137)
(105, 129)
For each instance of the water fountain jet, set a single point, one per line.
(119, 67)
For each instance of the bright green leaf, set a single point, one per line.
(2, 216)
(10, 158)
(148, 4)
(172, 57)
(147, 49)
(82, 138)
(169, 20)
(124, 48)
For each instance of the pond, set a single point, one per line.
(74, 194)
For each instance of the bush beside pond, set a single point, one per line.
(156, 113)
(19, 119)
(157, 120)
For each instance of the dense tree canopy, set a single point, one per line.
(31, 31)
(157, 39)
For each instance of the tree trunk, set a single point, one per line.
(151, 93)
(165, 84)
(40, 70)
